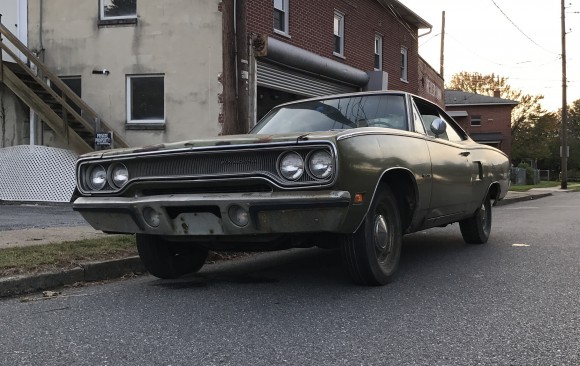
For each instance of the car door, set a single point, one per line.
(451, 169)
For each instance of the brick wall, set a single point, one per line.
(431, 85)
(311, 25)
(494, 118)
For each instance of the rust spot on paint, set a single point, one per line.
(150, 148)
(185, 228)
(265, 139)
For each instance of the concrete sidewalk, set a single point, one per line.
(18, 285)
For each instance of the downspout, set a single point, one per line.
(33, 117)
(420, 35)
(236, 49)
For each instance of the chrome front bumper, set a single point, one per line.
(207, 214)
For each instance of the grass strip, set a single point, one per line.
(543, 184)
(65, 255)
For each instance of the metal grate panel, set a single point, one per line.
(37, 173)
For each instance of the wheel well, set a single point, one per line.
(494, 191)
(404, 188)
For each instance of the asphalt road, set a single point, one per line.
(514, 301)
(26, 216)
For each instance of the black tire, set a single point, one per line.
(167, 260)
(476, 229)
(372, 253)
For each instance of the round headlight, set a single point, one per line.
(119, 175)
(97, 177)
(291, 166)
(320, 164)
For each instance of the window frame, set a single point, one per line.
(103, 17)
(129, 100)
(378, 52)
(286, 11)
(404, 72)
(340, 17)
(473, 118)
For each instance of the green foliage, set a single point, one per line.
(529, 172)
(50, 257)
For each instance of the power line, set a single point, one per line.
(519, 29)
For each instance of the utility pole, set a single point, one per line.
(564, 131)
(442, 59)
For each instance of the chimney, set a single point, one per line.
(496, 93)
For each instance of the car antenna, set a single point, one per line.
(302, 137)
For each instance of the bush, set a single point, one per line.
(530, 173)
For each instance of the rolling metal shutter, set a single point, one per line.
(292, 81)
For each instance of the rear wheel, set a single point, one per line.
(372, 253)
(166, 260)
(476, 229)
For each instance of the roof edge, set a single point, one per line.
(406, 13)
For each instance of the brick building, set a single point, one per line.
(486, 119)
(304, 48)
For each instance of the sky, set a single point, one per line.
(517, 39)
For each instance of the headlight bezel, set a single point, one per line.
(111, 175)
(329, 171)
(287, 155)
(89, 177)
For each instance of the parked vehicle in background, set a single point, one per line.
(353, 171)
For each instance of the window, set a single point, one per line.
(338, 34)
(281, 16)
(118, 9)
(403, 64)
(418, 122)
(430, 112)
(476, 120)
(146, 99)
(378, 52)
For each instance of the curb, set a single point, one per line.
(86, 272)
(522, 198)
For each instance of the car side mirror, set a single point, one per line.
(438, 127)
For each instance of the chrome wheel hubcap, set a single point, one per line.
(381, 238)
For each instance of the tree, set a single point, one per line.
(574, 137)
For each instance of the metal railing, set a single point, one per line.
(87, 118)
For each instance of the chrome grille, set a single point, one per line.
(209, 164)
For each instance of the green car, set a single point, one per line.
(354, 172)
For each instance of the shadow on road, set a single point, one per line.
(422, 252)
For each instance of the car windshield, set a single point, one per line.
(387, 110)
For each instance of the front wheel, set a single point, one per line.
(372, 253)
(166, 260)
(476, 229)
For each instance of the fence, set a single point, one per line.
(37, 173)
(518, 176)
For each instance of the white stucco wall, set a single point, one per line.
(178, 38)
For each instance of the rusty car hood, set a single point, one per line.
(230, 140)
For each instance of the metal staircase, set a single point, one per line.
(54, 102)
